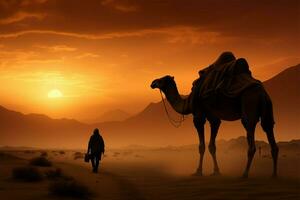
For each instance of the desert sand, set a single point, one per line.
(161, 173)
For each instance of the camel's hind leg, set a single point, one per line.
(268, 128)
(274, 150)
(267, 123)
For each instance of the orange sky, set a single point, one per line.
(103, 55)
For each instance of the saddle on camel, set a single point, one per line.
(226, 76)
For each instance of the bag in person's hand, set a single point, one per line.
(87, 157)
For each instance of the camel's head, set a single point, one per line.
(163, 82)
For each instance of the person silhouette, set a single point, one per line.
(95, 149)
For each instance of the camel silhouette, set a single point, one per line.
(251, 105)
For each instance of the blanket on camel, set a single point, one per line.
(227, 76)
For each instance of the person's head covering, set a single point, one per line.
(96, 131)
(225, 57)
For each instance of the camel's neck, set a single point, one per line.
(180, 105)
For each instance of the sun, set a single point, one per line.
(55, 93)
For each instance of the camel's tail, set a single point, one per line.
(267, 118)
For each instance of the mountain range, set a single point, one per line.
(150, 126)
(110, 115)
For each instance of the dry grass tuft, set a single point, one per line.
(53, 174)
(40, 161)
(28, 174)
(69, 188)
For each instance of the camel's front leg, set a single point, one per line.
(214, 127)
(199, 124)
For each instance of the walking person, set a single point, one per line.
(95, 149)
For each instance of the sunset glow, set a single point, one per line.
(55, 93)
(94, 59)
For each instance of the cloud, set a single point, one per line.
(88, 55)
(177, 34)
(48, 77)
(20, 58)
(120, 6)
(53, 32)
(192, 35)
(125, 8)
(30, 2)
(96, 19)
(57, 48)
(79, 83)
(70, 34)
(43, 61)
(20, 16)
(17, 54)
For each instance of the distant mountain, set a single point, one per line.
(40, 130)
(240, 143)
(150, 127)
(113, 115)
(284, 91)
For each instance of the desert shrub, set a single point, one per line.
(62, 152)
(7, 156)
(41, 162)
(29, 151)
(69, 188)
(78, 155)
(54, 173)
(29, 174)
(44, 154)
(138, 156)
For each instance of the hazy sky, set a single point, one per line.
(103, 54)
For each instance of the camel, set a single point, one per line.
(251, 105)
